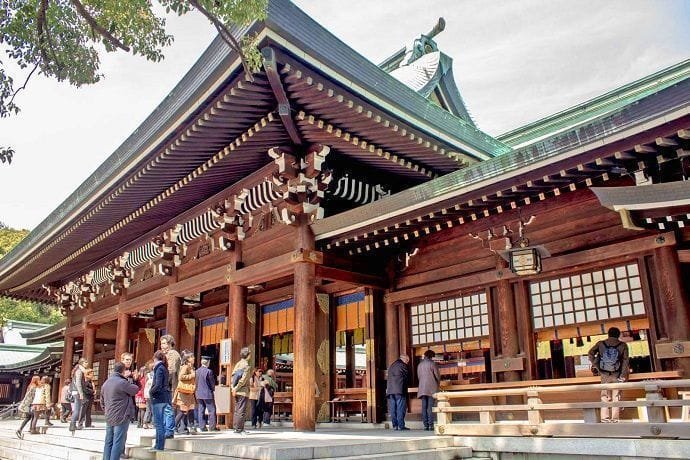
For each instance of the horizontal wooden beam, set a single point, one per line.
(684, 256)
(361, 279)
(589, 256)
(589, 430)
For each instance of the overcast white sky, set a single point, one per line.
(514, 61)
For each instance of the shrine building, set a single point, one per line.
(330, 214)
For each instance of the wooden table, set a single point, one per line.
(339, 408)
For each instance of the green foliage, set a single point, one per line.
(9, 238)
(17, 309)
(62, 39)
(20, 310)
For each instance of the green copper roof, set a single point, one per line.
(600, 105)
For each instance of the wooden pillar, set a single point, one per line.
(237, 316)
(304, 365)
(67, 357)
(376, 356)
(173, 317)
(673, 304)
(507, 321)
(122, 335)
(392, 333)
(89, 342)
(528, 347)
(350, 374)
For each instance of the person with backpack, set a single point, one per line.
(610, 360)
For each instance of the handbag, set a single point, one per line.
(186, 388)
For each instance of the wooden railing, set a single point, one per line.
(524, 411)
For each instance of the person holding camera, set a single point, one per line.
(610, 360)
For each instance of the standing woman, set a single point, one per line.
(25, 405)
(184, 394)
(65, 398)
(38, 405)
(160, 397)
(78, 383)
(254, 389)
(87, 403)
(139, 398)
(47, 388)
(148, 416)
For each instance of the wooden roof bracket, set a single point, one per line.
(284, 110)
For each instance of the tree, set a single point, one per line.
(62, 39)
(18, 309)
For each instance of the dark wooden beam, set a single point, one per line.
(284, 110)
(360, 279)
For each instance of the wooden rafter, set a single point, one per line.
(284, 109)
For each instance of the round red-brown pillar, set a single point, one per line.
(304, 365)
(122, 335)
(67, 357)
(507, 321)
(392, 335)
(89, 342)
(173, 317)
(238, 320)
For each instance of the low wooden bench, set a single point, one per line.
(282, 405)
(348, 401)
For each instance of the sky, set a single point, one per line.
(514, 62)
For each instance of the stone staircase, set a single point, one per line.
(48, 447)
(193, 448)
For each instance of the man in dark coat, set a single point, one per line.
(116, 399)
(429, 380)
(205, 386)
(396, 391)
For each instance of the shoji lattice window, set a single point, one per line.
(586, 297)
(111, 366)
(450, 320)
(96, 368)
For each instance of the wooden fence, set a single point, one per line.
(526, 414)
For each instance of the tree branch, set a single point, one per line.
(225, 34)
(97, 27)
(24, 85)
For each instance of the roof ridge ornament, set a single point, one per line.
(425, 44)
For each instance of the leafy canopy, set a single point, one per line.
(63, 39)
(21, 310)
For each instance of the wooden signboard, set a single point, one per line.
(508, 364)
(670, 350)
(225, 352)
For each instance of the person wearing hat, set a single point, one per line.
(205, 388)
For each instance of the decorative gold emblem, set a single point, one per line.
(251, 313)
(322, 357)
(323, 300)
(678, 348)
(190, 325)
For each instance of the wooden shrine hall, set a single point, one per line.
(331, 213)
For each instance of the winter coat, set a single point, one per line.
(242, 387)
(116, 399)
(429, 377)
(397, 378)
(205, 383)
(25, 405)
(160, 388)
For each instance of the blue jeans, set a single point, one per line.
(397, 407)
(202, 405)
(159, 423)
(169, 415)
(427, 413)
(115, 439)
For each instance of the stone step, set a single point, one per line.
(228, 448)
(444, 453)
(40, 448)
(8, 453)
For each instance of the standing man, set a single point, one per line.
(205, 386)
(116, 399)
(78, 391)
(396, 391)
(610, 360)
(173, 359)
(429, 379)
(239, 383)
